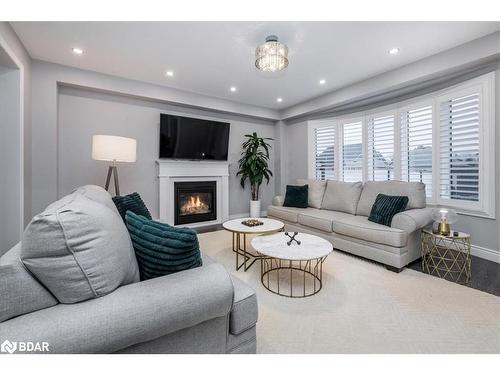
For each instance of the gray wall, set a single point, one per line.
(485, 232)
(10, 159)
(82, 113)
(16, 133)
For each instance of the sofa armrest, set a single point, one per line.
(412, 220)
(132, 314)
(278, 200)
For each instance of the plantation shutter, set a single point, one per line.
(416, 146)
(352, 152)
(381, 148)
(324, 146)
(459, 148)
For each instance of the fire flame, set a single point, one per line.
(194, 205)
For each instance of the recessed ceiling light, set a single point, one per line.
(279, 100)
(322, 81)
(170, 73)
(233, 89)
(394, 51)
(77, 51)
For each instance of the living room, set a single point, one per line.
(249, 187)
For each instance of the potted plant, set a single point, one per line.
(253, 166)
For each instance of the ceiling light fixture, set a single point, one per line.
(77, 51)
(394, 51)
(233, 89)
(272, 56)
(279, 100)
(170, 73)
(322, 81)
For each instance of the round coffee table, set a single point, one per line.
(239, 230)
(293, 270)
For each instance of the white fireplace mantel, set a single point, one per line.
(171, 171)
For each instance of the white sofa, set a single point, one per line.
(338, 212)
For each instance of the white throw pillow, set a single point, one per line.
(342, 196)
(316, 191)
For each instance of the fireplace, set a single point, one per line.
(195, 201)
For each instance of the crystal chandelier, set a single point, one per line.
(272, 56)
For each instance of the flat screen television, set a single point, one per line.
(193, 138)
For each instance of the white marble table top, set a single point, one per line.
(270, 225)
(275, 246)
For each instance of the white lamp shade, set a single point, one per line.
(113, 148)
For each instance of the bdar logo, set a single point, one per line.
(9, 347)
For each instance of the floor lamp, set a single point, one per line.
(114, 149)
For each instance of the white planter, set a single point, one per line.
(254, 208)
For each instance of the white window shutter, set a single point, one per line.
(380, 148)
(324, 145)
(352, 152)
(459, 148)
(416, 146)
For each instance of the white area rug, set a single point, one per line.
(363, 308)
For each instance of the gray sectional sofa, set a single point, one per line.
(201, 310)
(338, 211)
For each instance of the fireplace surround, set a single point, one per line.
(172, 171)
(195, 201)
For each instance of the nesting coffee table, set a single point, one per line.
(294, 270)
(240, 232)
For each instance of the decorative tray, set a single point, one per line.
(252, 222)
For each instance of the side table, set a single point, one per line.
(447, 257)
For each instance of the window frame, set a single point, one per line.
(484, 85)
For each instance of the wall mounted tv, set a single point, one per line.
(193, 138)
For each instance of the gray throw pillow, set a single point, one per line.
(79, 249)
(316, 191)
(20, 293)
(342, 196)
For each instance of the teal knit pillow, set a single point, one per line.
(161, 249)
(132, 202)
(385, 207)
(296, 196)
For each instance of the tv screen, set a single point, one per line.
(192, 138)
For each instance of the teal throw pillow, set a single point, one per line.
(385, 207)
(296, 196)
(162, 249)
(132, 202)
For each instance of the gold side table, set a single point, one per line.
(447, 257)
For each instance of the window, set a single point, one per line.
(445, 140)
(459, 148)
(352, 152)
(381, 148)
(324, 141)
(416, 146)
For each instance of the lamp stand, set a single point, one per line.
(113, 170)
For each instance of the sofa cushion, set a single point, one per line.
(320, 219)
(20, 292)
(385, 207)
(360, 227)
(97, 194)
(415, 191)
(285, 213)
(244, 313)
(296, 196)
(79, 249)
(316, 191)
(342, 196)
(162, 249)
(131, 202)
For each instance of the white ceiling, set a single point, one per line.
(210, 57)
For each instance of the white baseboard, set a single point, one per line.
(482, 252)
(246, 214)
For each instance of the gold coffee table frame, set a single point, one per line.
(309, 271)
(240, 247)
(447, 257)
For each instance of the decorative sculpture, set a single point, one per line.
(292, 238)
